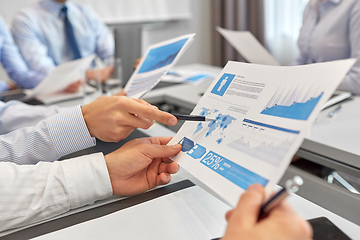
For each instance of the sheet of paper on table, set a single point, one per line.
(191, 213)
(156, 62)
(248, 46)
(61, 77)
(262, 116)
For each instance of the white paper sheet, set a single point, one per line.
(157, 61)
(191, 213)
(61, 77)
(263, 114)
(248, 46)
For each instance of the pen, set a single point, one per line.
(193, 118)
(291, 186)
(333, 112)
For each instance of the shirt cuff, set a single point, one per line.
(3, 86)
(69, 131)
(87, 179)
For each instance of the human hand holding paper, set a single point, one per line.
(141, 164)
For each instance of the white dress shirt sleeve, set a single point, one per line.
(52, 138)
(32, 193)
(34, 51)
(15, 115)
(105, 45)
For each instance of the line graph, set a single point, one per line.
(296, 102)
(262, 141)
(161, 56)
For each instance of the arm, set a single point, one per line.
(105, 46)
(31, 47)
(14, 63)
(38, 192)
(15, 115)
(35, 193)
(352, 80)
(281, 223)
(50, 139)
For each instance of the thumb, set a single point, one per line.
(247, 210)
(162, 151)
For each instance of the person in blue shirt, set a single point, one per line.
(52, 32)
(331, 31)
(13, 62)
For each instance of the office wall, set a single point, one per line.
(200, 50)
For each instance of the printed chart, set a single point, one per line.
(214, 128)
(161, 56)
(293, 103)
(263, 141)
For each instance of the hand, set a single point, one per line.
(141, 164)
(74, 87)
(105, 73)
(11, 86)
(281, 223)
(121, 93)
(113, 118)
(136, 63)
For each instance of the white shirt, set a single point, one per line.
(39, 32)
(31, 193)
(52, 138)
(331, 31)
(16, 114)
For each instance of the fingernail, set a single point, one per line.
(172, 121)
(167, 177)
(254, 187)
(177, 146)
(178, 167)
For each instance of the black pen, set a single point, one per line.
(193, 118)
(291, 186)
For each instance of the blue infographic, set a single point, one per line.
(292, 105)
(222, 85)
(232, 171)
(161, 56)
(219, 126)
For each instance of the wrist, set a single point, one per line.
(85, 110)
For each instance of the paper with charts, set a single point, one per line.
(157, 61)
(262, 116)
(248, 46)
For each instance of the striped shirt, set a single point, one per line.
(52, 138)
(32, 193)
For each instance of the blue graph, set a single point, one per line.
(161, 56)
(294, 104)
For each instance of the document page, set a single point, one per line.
(189, 214)
(248, 46)
(157, 61)
(61, 77)
(262, 116)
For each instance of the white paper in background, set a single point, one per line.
(156, 62)
(61, 77)
(187, 76)
(263, 114)
(248, 46)
(191, 213)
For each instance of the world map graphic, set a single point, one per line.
(219, 126)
